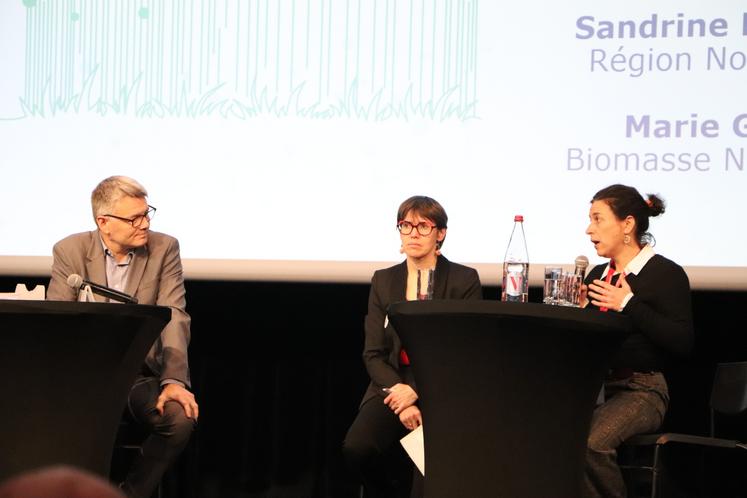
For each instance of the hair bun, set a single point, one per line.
(655, 205)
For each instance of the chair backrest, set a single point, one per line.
(729, 392)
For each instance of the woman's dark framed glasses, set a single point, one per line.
(423, 228)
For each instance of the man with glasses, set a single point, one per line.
(125, 255)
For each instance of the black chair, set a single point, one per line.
(641, 457)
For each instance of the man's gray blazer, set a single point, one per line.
(154, 277)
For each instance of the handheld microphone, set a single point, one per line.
(582, 262)
(76, 282)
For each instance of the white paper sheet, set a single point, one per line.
(415, 448)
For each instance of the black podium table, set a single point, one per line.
(65, 371)
(507, 391)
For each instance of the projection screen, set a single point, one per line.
(278, 137)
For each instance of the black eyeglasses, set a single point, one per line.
(423, 228)
(138, 220)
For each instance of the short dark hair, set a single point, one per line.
(425, 207)
(625, 201)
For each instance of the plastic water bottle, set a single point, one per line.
(516, 265)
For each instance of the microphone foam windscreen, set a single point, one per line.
(75, 281)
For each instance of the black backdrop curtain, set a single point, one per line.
(277, 371)
(279, 375)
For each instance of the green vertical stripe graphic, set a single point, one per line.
(370, 60)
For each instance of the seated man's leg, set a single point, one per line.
(168, 435)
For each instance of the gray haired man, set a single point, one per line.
(123, 254)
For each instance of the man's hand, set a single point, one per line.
(175, 392)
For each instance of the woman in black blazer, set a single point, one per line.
(389, 408)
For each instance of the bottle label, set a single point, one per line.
(514, 283)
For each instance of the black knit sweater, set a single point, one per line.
(661, 313)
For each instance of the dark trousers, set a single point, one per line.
(167, 436)
(632, 406)
(372, 449)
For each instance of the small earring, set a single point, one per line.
(626, 239)
(401, 248)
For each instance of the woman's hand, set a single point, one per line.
(607, 295)
(583, 296)
(400, 396)
(411, 417)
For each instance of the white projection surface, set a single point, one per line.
(278, 137)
